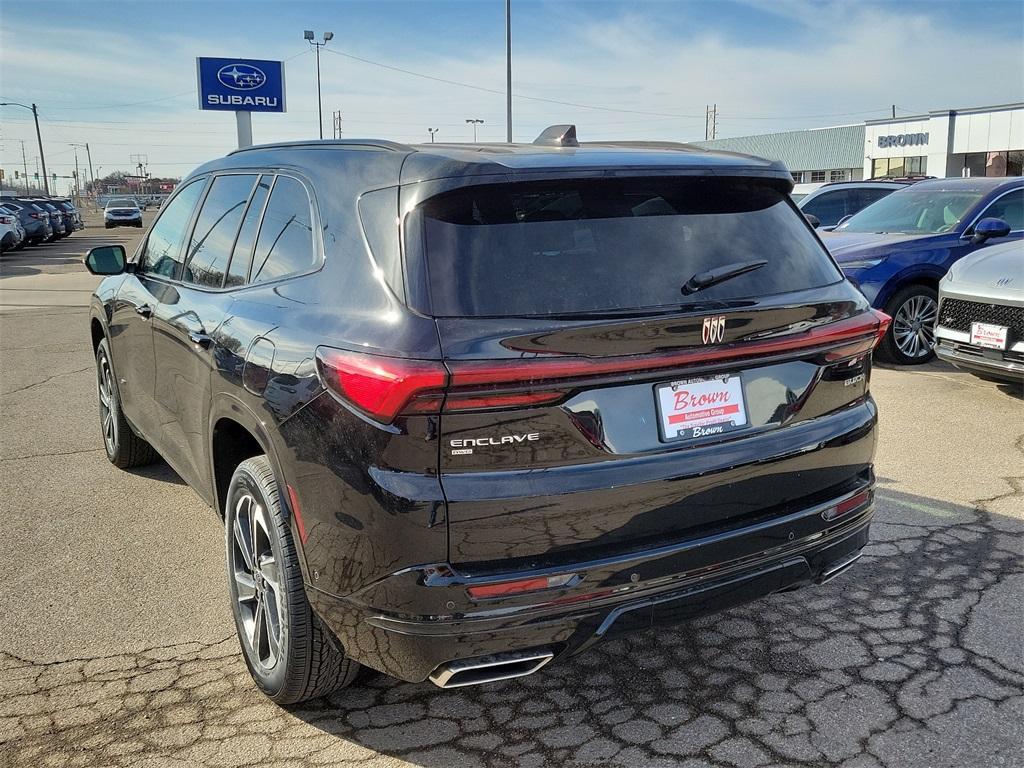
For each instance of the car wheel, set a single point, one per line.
(911, 336)
(124, 448)
(289, 653)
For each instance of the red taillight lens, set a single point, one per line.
(379, 386)
(505, 588)
(884, 321)
(847, 505)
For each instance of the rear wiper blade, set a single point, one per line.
(703, 280)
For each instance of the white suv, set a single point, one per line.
(122, 212)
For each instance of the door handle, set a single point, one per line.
(200, 338)
(145, 310)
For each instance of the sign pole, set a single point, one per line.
(244, 121)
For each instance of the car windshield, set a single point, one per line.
(914, 211)
(592, 246)
(122, 204)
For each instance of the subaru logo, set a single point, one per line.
(241, 77)
(712, 331)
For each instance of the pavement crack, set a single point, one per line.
(44, 381)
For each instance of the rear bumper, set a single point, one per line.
(416, 621)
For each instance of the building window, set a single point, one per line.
(842, 175)
(993, 163)
(817, 176)
(897, 167)
(798, 177)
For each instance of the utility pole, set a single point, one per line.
(893, 111)
(24, 165)
(336, 121)
(432, 131)
(710, 122)
(39, 136)
(508, 71)
(475, 121)
(78, 187)
(92, 176)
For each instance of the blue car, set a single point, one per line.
(897, 249)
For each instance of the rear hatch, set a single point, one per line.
(595, 405)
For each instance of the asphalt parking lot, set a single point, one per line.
(117, 648)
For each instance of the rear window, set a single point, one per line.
(591, 246)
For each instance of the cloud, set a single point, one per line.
(671, 59)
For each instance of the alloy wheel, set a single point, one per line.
(105, 380)
(913, 326)
(257, 579)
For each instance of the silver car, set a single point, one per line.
(980, 327)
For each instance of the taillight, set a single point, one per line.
(846, 506)
(379, 386)
(6, 220)
(384, 387)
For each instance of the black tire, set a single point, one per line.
(889, 350)
(124, 448)
(306, 662)
(108, 226)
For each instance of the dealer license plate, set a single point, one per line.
(693, 408)
(989, 335)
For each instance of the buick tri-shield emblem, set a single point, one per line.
(241, 77)
(712, 331)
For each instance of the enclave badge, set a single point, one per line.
(713, 330)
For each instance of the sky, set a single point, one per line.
(121, 75)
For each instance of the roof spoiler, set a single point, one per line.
(558, 136)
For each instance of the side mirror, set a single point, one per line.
(813, 220)
(987, 228)
(106, 260)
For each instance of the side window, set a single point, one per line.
(1009, 208)
(865, 197)
(162, 253)
(285, 242)
(238, 271)
(829, 207)
(216, 226)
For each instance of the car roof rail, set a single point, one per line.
(392, 146)
(640, 144)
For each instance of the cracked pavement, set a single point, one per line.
(117, 649)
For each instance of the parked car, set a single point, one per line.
(12, 235)
(60, 223)
(69, 209)
(464, 409)
(34, 219)
(831, 203)
(122, 212)
(10, 215)
(898, 249)
(981, 313)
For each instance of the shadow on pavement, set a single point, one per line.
(894, 659)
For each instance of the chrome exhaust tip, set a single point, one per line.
(840, 567)
(489, 669)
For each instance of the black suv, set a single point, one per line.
(468, 408)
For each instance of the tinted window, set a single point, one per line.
(163, 251)
(238, 272)
(1009, 208)
(611, 244)
(829, 207)
(214, 233)
(862, 198)
(285, 243)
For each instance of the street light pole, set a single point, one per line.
(309, 36)
(39, 136)
(508, 71)
(431, 131)
(475, 122)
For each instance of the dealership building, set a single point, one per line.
(977, 141)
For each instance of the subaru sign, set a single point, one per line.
(241, 85)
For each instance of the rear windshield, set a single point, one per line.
(122, 204)
(591, 246)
